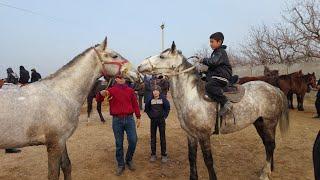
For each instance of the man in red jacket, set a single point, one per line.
(123, 103)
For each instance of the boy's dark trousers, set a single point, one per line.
(317, 103)
(161, 123)
(215, 91)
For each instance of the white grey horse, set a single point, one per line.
(262, 105)
(46, 112)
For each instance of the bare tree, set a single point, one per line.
(268, 46)
(296, 40)
(304, 19)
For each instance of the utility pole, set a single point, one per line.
(162, 36)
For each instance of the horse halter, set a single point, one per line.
(104, 72)
(175, 70)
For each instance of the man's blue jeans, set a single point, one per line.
(119, 125)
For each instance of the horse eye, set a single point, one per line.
(115, 56)
(161, 57)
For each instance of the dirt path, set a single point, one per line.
(237, 156)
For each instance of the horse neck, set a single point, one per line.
(75, 80)
(184, 86)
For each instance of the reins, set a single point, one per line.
(118, 63)
(175, 70)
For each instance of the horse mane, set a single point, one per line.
(198, 82)
(69, 64)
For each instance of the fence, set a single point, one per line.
(307, 67)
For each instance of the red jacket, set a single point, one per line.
(123, 101)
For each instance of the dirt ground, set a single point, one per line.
(237, 156)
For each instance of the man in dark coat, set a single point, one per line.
(24, 76)
(164, 84)
(35, 76)
(317, 103)
(147, 88)
(12, 77)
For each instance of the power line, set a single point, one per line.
(31, 12)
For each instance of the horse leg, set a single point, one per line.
(290, 100)
(99, 104)
(207, 156)
(55, 151)
(66, 164)
(300, 102)
(89, 106)
(267, 134)
(192, 151)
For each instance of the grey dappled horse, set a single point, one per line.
(262, 105)
(47, 112)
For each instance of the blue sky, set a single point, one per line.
(64, 29)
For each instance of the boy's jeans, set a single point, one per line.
(155, 123)
(119, 125)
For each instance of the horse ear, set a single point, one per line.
(104, 44)
(173, 47)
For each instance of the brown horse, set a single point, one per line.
(294, 83)
(300, 86)
(97, 87)
(269, 79)
(1, 83)
(270, 73)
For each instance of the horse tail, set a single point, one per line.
(284, 119)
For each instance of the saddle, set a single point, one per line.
(233, 91)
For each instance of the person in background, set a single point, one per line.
(35, 76)
(317, 103)
(122, 104)
(316, 157)
(147, 88)
(158, 108)
(12, 77)
(24, 76)
(164, 84)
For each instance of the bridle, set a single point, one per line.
(175, 70)
(104, 71)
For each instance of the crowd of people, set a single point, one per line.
(24, 77)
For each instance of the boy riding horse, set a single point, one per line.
(218, 74)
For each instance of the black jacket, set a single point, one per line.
(12, 78)
(218, 64)
(35, 76)
(24, 76)
(157, 109)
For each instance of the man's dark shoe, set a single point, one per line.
(225, 109)
(316, 116)
(13, 150)
(119, 171)
(131, 166)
